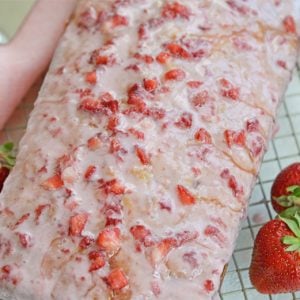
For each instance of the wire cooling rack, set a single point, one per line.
(283, 150)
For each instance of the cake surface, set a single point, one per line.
(143, 147)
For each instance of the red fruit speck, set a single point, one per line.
(90, 171)
(118, 20)
(143, 157)
(77, 224)
(117, 279)
(235, 137)
(91, 77)
(150, 85)
(163, 57)
(185, 196)
(175, 74)
(289, 24)
(203, 136)
(209, 286)
(185, 121)
(174, 10)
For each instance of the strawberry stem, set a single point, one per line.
(293, 223)
(293, 198)
(7, 158)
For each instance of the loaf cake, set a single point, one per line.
(143, 147)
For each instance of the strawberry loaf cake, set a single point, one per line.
(143, 147)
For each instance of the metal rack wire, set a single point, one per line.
(283, 150)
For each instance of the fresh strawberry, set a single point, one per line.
(289, 24)
(4, 172)
(117, 279)
(109, 239)
(77, 224)
(203, 136)
(91, 77)
(185, 196)
(7, 161)
(175, 74)
(275, 260)
(97, 260)
(285, 190)
(140, 232)
(163, 57)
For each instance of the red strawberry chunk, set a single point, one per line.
(119, 20)
(200, 99)
(163, 57)
(141, 154)
(235, 137)
(203, 136)
(97, 260)
(113, 122)
(185, 121)
(140, 232)
(209, 286)
(53, 183)
(109, 239)
(178, 51)
(86, 242)
(90, 171)
(232, 93)
(289, 24)
(148, 59)
(185, 196)
(252, 125)
(91, 77)
(194, 84)
(117, 279)
(22, 219)
(77, 224)
(38, 211)
(114, 187)
(174, 10)
(175, 74)
(91, 105)
(150, 85)
(25, 240)
(160, 251)
(94, 143)
(138, 134)
(115, 146)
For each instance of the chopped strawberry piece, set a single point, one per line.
(115, 146)
(138, 134)
(25, 240)
(185, 196)
(94, 143)
(102, 60)
(215, 233)
(194, 84)
(232, 93)
(6, 269)
(209, 286)
(117, 279)
(232, 183)
(178, 51)
(200, 99)
(77, 224)
(22, 219)
(90, 171)
(186, 237)
(174, 10)
(86, 242)
(252, 125)
(91, 105)
(114, 187)
(150, 85)
(185, 121)
(53, 183)
(163, 57)
(119, 20)
(112, 105)
(91, 77)
(113, 122)
(97, 260)
(109, 239)
(160, 251)
(140, 232)
(148, 59)
(282, 64)
(38, 211)
(156, 113)
(235, 137)
(141, 154)
(175, 74)
(289, 24)
(142, 33)
(203, 136)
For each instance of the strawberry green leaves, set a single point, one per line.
(293, 223)
(293, 197)
(7, 158)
